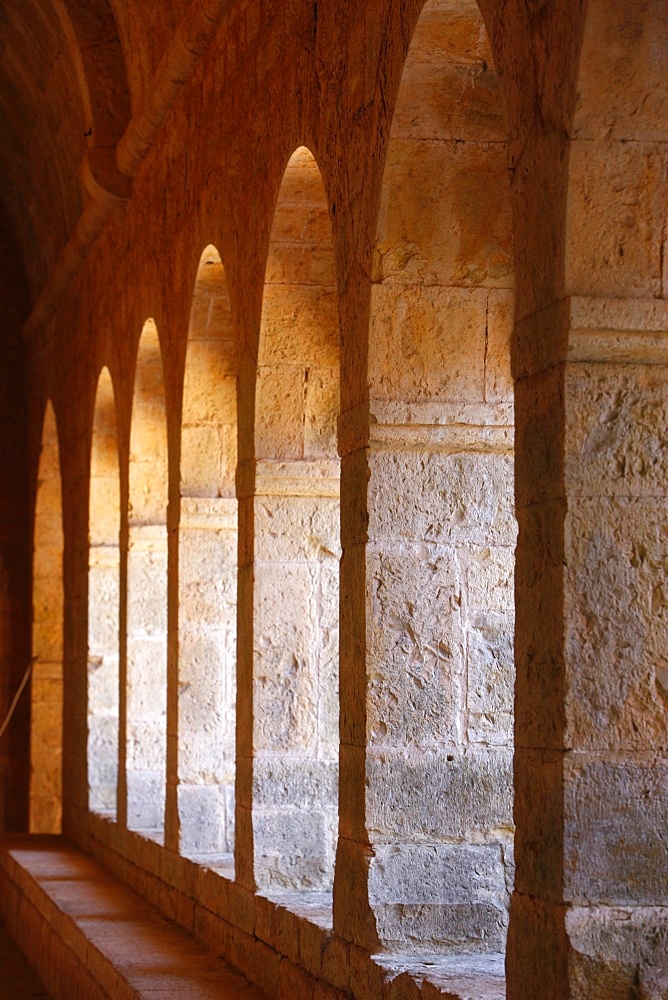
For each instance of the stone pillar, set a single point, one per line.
(589, 915)
(207, 681)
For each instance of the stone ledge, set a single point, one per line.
(75, 920)
(284, 941)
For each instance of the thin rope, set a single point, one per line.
(12, 707)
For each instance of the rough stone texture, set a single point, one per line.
(465, 301)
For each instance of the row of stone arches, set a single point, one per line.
(424, 749)
(442, 529)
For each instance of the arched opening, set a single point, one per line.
(46, 721)
(103, 603)
(146, 682)
(442, 531)
(297, 546)
(208, 570)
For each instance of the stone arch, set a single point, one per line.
(208, 569)
(146, 680)
(103, 603)
(441, 529)
(297, 543)
(46, 722)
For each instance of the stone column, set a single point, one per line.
(589, 915)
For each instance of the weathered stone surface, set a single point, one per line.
(429, 796)
(617, 598)
(491, 685)
(444, 498)
(617, 424)
(626, 797)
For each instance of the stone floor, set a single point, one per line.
(18, 981)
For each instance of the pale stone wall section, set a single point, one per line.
(46, 723)
(103, 604)
(146, 681)
(432, 834)
(207, 571)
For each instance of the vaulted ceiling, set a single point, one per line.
(72, 74)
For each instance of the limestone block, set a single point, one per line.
(209, 386)
(202, 456)
(104, 505)
(615, 814)
(618, 952)
(299, 263)
(447, 873)
(444, 216)
(47, 638)
(427, 342)
(279, 420)
(103, 686)
(292, 849)
(48, 552)
(146, 744)
(299, 327)
(539, 816)
(616, 207)
(285, 687)
(103, 603)
(202, 819)
(415, 647)
(490, 685)
(146, 686)
(285, 783)
(499, 385)
(206, 717)
(296, 528)
(301, 215)
(430, 796)
(488, 572)
(321, 408)
(451, 898)
(459, 499)
(145, 800)
(617, 421)
(616, 641)
(354, 516)
(148, 487)
(102, 763)
(623, 96)
(207, 576)
(46, 719)
(147, 593)
(352, 671)
(229, 804)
